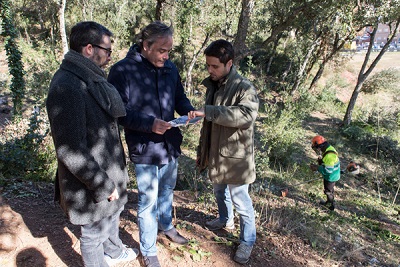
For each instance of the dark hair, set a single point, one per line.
(221, 49)
(87, 32)
(153, 31)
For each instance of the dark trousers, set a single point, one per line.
(329, 190)
(99, 238)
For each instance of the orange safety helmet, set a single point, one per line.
(317, 140)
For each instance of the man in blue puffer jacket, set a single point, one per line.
(151, 89)
(328, 166)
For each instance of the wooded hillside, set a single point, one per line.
(308, 83)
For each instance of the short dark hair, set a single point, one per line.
(153, 31)
(221, 49)
(87, 32)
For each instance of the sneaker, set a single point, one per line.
(176, 237)
(217, 225)
(151, 261)
(128, 254)
(242, 254)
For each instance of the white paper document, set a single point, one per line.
(181, 121)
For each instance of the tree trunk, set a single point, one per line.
(352, 103)
(276, 29)
(317, 75)
(239, 44)
(337, 47)
(362, 76)
(159, 8)
(188, 82)
(300, 73)
(271, 59)
(63, 34)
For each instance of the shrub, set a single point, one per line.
(279, 132)
(385, 80)
(327, 101)
(24, 148)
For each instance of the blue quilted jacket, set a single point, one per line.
(148, 93)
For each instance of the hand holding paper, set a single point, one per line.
(184, 120)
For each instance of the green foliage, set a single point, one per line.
(132, 176)
(25, 151)
(193, 248)
(186, 10)
(41, 65)
(355, 132)
(327, 96)
(281, 158)
(375, 144)
(376, 131)
(14, 56)
(368, 140)
(327, 101)
(281, 75)
(385, 80)
(248, 67)
(280, 131)
(285, 122)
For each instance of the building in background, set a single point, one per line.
(381, 36)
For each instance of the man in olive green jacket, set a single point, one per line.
(227, 143)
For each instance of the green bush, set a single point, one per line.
(355, 132)
(25, 150)
(280, 131)
(327, 101)
(385, 80)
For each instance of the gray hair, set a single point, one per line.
(153, 31)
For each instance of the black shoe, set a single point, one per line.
(176, 237)
(323, 203)
(151, 261)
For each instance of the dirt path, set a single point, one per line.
(34, 232)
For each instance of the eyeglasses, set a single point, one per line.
(109, 51)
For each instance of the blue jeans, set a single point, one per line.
(238, 195)
(99, 238)
(156, 191)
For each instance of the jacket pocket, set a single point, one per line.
(233, 143)
(138, 146)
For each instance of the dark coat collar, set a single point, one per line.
(134, 53)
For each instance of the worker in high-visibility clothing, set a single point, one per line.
(328, 166)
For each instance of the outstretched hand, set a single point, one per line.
(196, 113)
(160, 126)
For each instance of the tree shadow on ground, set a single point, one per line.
(43, 218)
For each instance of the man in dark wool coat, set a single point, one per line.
(91, 179)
